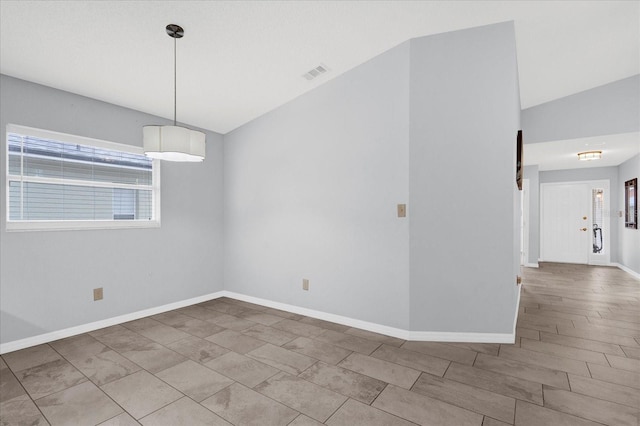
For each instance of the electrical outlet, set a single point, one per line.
(97, 294)
(305, 284)
(402, 210)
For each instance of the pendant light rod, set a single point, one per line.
(175, 31)
(175, 83)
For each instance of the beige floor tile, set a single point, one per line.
(623, 363)
(379, 369)
(21, 411)
(281, 358)
(10, 387)
(298, 328)
(345, 382)
(308, 398)
(172, 318)
(590, 408)
(631, 352)
(30, 357)
(83, 404)
(141, 393)
(325, 324)
(194, 380)
(485, 348)
(261, 317)
(81, 346)
(614, 323)
(197, 349)
(233, 323)
(470, 397)
(243, 406)
(533, 415)
(605, 390)
(235, 341)
(303, 420)
(613, 375)
(423, 409)
(544, 320)
(269, 334)
(49, 378)
(123, 419)
(496, 382)
(440, 350)
(522, 370)
(183, 412)
(564, 351)
(104, 367)
(243, 369)
(356, 413)
(352, 343)
(199, 328)
(577, 342)
(376, 337)
(325, 352)
(527, 333)
(225, 307)
(200, 313)
(418, 361)
(600, 336)
(283, 314)
(153, 357)
(124, 340)
(522, 324)
(617, 330)
(545, 360)
(488, 421)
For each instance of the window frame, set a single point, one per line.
(60, 225)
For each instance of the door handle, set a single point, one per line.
(583, 229)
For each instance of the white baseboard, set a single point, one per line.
(627, 270)
(531, 265)
(84, 328)
(427, 336)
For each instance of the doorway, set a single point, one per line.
(574, 222)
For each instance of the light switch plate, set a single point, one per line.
(305, 284)
(402, 210)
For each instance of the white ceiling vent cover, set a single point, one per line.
(316, 72)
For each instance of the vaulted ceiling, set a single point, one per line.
(239, 60)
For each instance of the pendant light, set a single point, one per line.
(173, 143)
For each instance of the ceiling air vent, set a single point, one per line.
(316, 72)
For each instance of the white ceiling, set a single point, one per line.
(560, 155)
(239, 60)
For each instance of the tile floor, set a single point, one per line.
(576, 361)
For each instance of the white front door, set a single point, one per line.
(566, 226)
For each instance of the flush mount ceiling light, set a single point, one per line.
(589, 155)
(173, 143)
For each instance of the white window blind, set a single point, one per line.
(59, 181)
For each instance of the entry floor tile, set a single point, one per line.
(141, 393)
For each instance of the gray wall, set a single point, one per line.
(531, 173)
(629, 239)
(594, 173)
(311, 190)
(609, 109)
(465, 206)
(46, 278)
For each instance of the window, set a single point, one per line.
(60, 181)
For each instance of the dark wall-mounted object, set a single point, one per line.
(631, 204)
(519, 165)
